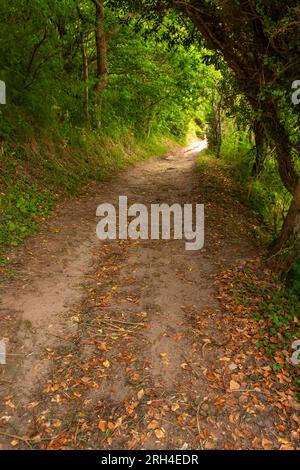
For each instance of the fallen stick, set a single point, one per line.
(13, 436)
(123, 322)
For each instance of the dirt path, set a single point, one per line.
(126, 344)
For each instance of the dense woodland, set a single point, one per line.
(88, 91)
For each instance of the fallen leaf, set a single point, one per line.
(75, 318)
(85, 380)
(287, 447)
(159, 433)
(234, 385)
(266, 444)
(130, 409)
(175, 407)
(57, 423)
(102, 425)
(281, 440)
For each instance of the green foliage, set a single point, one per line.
(20, 211)
(50, 148)
(33, 178)
(265, 193)
(280, 308)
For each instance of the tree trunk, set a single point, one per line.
(219, 129)
(260, 147)
(102, 59)
(85, 72)
(286, 249)
(215, 128)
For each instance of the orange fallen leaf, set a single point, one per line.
(102, 425)
(57, 423)
(267, 445)
(159, 433)
(130, 409)
(175, 407)
(85, 380)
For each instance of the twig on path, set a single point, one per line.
(28, 440)
(206, 342)
(14, 436)
(69, 338)
(21, 354)
(76, 433)
(123, 322)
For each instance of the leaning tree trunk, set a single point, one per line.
(286, 249)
